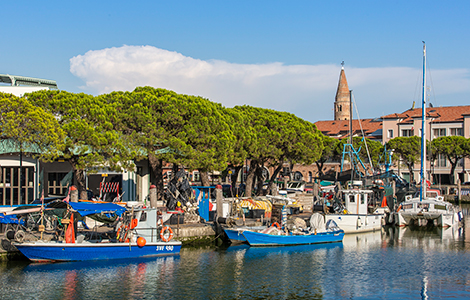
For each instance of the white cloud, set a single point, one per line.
(305, 90)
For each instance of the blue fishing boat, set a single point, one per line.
(318, 232)
(266, 239)
(135, 234)
(235, 234)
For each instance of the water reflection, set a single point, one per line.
(395, 263)
(108, 279)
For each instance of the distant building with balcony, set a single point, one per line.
(440, 121)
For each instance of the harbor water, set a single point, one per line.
(389, 264)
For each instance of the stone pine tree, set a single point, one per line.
(245, 136)
(454, 148)
(279, 138)
(170, 127)
(329, 153)
(409, 149)
(91, 142)
(29, 128)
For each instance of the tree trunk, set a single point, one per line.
(204, 178)
(320, 167)
(272, 185)
(79, 175)
(156, 165)
(410, 169)
(250, 178)
(81, 183)
(260, 179)
(453, 166)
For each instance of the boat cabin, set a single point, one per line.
(356, 199)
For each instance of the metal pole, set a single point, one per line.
(422, 194)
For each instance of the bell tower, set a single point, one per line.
(342, 101)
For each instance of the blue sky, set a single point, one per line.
(284, 55)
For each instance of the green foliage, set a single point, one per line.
(408, 148)
(453, 147)
(91, 140)
(195, 129)
(30, 127)
(277, 137)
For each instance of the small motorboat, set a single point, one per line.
(317, 233)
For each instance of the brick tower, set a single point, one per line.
(342, 103)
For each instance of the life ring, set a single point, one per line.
(134, 223)
(162, 234)
(276, 224)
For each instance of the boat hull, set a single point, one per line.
(235, 234)
(403, 219)
(55, 252)
(354, 223)
(262, 239)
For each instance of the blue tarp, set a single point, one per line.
(87, 208)
(10, 219)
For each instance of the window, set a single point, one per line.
(10, 185)
(54, 184)
(441, 160)
(438, 132)
(351, 199)
(390, 133)
(407, 132)
(456, 131)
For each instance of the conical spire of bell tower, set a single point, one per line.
(342, 103)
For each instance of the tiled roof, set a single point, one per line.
(441, 114)
(340, 128)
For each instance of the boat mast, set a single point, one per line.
(350, 117)
(422, 193)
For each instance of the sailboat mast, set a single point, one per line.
(350, 117)
(422, 193)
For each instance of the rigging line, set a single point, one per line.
(362, 131)
(432, 83)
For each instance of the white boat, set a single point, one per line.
(355, 218)
(417, 211)
(427, 206)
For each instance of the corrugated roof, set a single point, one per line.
(15, 80)
(9, 146)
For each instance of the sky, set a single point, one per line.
(281, 55)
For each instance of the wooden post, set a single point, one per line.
(153, 196)
(218, 201)
(73, 194)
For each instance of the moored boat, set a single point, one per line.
(235, 234)
(317, 233)
(428, 205)
(135, 234)
(352, 214)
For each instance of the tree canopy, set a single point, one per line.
(409, 149)
(454, 148)
(91, 142)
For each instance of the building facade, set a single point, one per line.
(440, 121)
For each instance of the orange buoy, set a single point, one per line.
(276, 224)
(141, 242)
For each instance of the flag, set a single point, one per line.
(70, 233)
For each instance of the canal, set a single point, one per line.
(391, 264)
